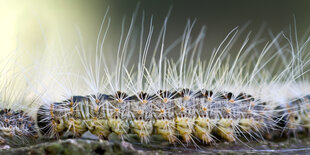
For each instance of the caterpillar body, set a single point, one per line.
(229, 116)
(295, 117)
(17, 128)
(187, 100)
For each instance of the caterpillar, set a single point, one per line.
(17, 125)
(250, 96)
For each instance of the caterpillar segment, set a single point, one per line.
(118, 113)
(245, 114)
(299, 117)
(76, 116)
(205, 120)
(293, 117)
(305, 113)
(233, 114)
(51, 119)
(225, 129)
(141, 112)
(254, 117)
(185, 108)
(163, 113)
(224, 111)
(96, 116)
(17, 128)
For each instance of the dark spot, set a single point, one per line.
(99, 150)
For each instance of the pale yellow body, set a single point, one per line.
(8, 132)
(59, 126)
(143, 129)
(166, 128)
(225, 129)
(118, 126)
(246, 124)
(250, 124)
(203, 128)
(184, 126)
(76, 126)
(99, 128)
(305, 120)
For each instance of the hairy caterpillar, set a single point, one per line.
(186, 99)
(17, 126)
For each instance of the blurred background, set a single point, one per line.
(33, 26)
(32, 22)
